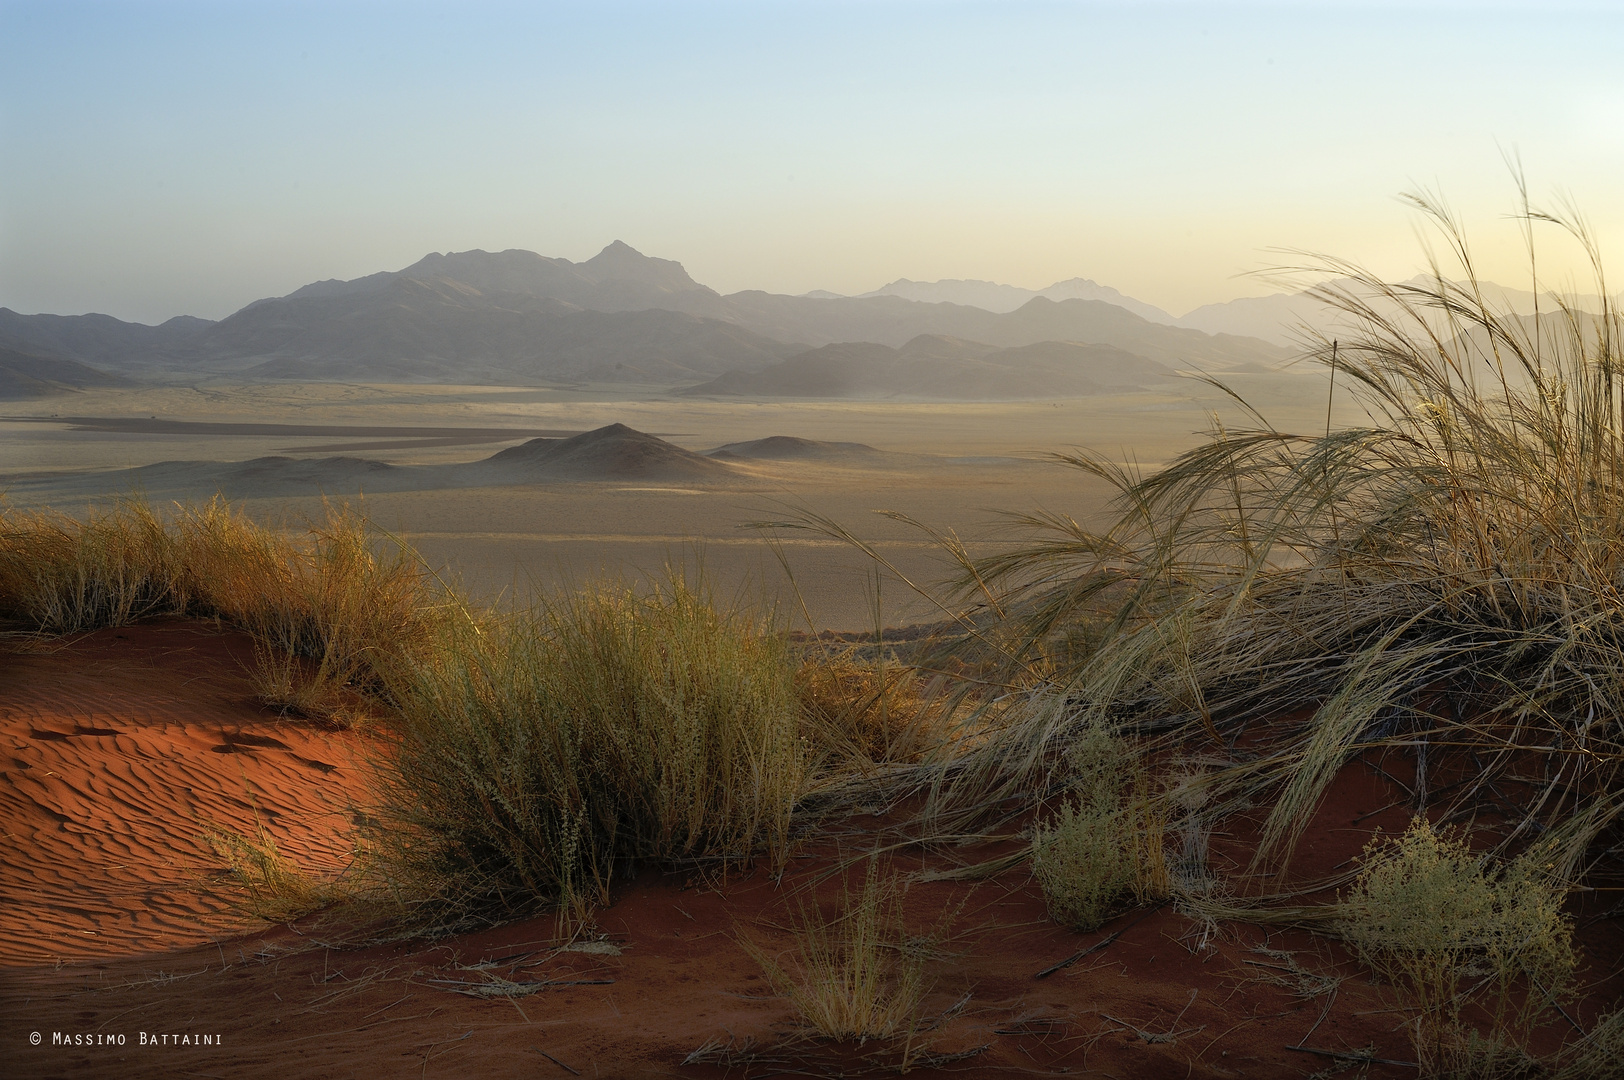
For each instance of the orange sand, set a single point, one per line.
(121, 745)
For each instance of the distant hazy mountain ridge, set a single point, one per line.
(99, 340)
(618, 278)
(1283, 317)
(29, 375)
(940, 367)
(443, 330)
(622, 317)
(991, 296)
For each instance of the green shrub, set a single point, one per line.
(1459, 933)
(1083, 865)
(1104, 848)
(538, 758)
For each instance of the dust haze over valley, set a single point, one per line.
(416, 396)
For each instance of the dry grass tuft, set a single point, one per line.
(331, 610)
(856, 974)
(269, 885)
(540, 757)
(877, 711)
(63, 575)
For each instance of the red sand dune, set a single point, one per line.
(121, 748)
(122, 744)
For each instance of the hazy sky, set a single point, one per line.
(167, 158)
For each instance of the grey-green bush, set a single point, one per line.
(1457, 931)
(1103, 850)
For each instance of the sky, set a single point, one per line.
(187, 158)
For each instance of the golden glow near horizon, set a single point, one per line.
(166, 158)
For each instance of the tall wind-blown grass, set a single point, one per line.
(541, 757)
(1444, 579)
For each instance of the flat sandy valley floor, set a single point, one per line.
(950, 466)
(119, 945)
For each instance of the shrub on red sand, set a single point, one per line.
(539, 758)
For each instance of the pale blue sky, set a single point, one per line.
(166, 158)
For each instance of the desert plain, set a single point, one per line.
(121, 944)
(955, 466)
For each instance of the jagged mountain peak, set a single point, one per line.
(621, 263)
(618, 278)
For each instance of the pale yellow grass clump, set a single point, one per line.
(268, 885)
(870, 710)
(540, 757)
(62, 575)
(856, 975)
(331, 609)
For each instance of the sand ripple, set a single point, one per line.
(119, 749)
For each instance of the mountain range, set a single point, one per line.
(936, 366)
(30, 375)
(1279, 318)
(622, 317)
(992, 296)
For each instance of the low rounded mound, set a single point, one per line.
(260, 477)
(615, 452)
(311, 470)
(793, 448)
